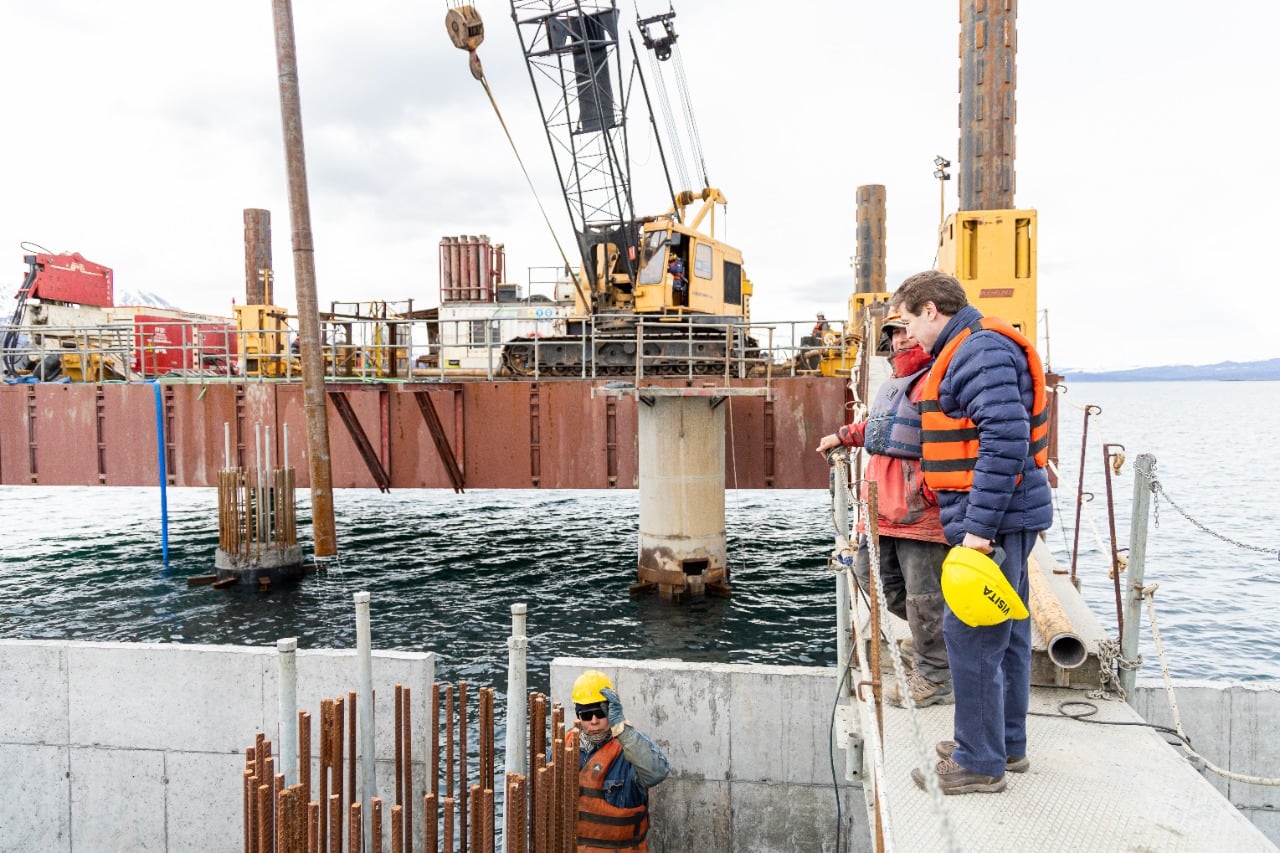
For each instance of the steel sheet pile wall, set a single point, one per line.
(509, 434)
(124, 746)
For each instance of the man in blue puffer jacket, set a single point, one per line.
(994, 495)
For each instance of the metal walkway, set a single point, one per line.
(1090, 788)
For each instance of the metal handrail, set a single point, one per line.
(392, 349)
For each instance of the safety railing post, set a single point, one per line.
(1143, 471)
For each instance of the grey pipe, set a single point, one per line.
(1143, 474)
(364, 711)
(517, 691)
(286, 655)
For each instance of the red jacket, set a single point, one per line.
(906, 507)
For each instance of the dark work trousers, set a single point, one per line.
(991, 672)
(911, 572)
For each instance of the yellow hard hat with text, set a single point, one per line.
(977, 591)
(586, 690)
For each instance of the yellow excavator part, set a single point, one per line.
(992, 253)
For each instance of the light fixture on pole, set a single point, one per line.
(943, 176)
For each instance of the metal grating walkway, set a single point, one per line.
(1090, 788)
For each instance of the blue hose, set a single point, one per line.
(164, 477)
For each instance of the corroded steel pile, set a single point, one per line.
(458, 814)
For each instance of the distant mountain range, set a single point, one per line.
(1227, 371)
(142, 297)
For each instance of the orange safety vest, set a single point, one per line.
(950, 445)
(603, 828)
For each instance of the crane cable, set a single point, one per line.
(456, 23)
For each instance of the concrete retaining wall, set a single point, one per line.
(1234, 726)
(126, 746)
(749, 752)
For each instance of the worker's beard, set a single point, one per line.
(596, 740)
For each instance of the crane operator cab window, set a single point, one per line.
(655, 265)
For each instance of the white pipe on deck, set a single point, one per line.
(517, 692)
(364, 711)
(287, 743)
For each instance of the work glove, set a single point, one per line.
(616, 717)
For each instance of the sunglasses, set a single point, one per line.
(595, 712)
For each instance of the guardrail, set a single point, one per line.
(395, 349)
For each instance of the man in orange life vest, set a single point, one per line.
(912, 545)
(617, 767)
(985, 451)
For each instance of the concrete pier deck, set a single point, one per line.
(1090, 787)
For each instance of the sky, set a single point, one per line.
(138, 131)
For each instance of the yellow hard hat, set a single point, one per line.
(586, 690)
(977, 591)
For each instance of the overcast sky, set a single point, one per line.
(137, 131)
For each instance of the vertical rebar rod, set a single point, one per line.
(407, 701)
(397, 829)
(326, 760)
(304, 754)
(542, 831)
(264, 821)
(352, 706)
(339, 750)
(399, 743)
(335, 823)
(314, 398)
(313, 828)
(355, 831)
(430, 824)
(248, 801)
(462, 766)
(475, 799)
(1143, 475)
(375, 824)
(517, 690)
(487, 812)
(554, 783)
(448, 742)
(287, 660)
(281, 818)
(448, 824)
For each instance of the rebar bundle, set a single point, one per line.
(280, 819)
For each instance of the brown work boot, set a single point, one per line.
(1011, 764)
(923, 691)
(954, 779)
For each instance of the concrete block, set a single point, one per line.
(682, 706)
(159, 696)
(33, 692)
(769, 818)
(779, 718)
(1267, 821)
(1255, 718)
(36, 778)
(328, 674)
(204, 802)
(118, 799)
(1205, 710)
(684, 810)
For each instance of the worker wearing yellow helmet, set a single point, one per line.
(617, 767)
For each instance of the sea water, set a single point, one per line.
(443, 569)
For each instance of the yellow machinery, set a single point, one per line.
(993, 255)
(264, 338)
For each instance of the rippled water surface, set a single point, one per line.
(84, 563)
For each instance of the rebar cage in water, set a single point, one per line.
(257, 511)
